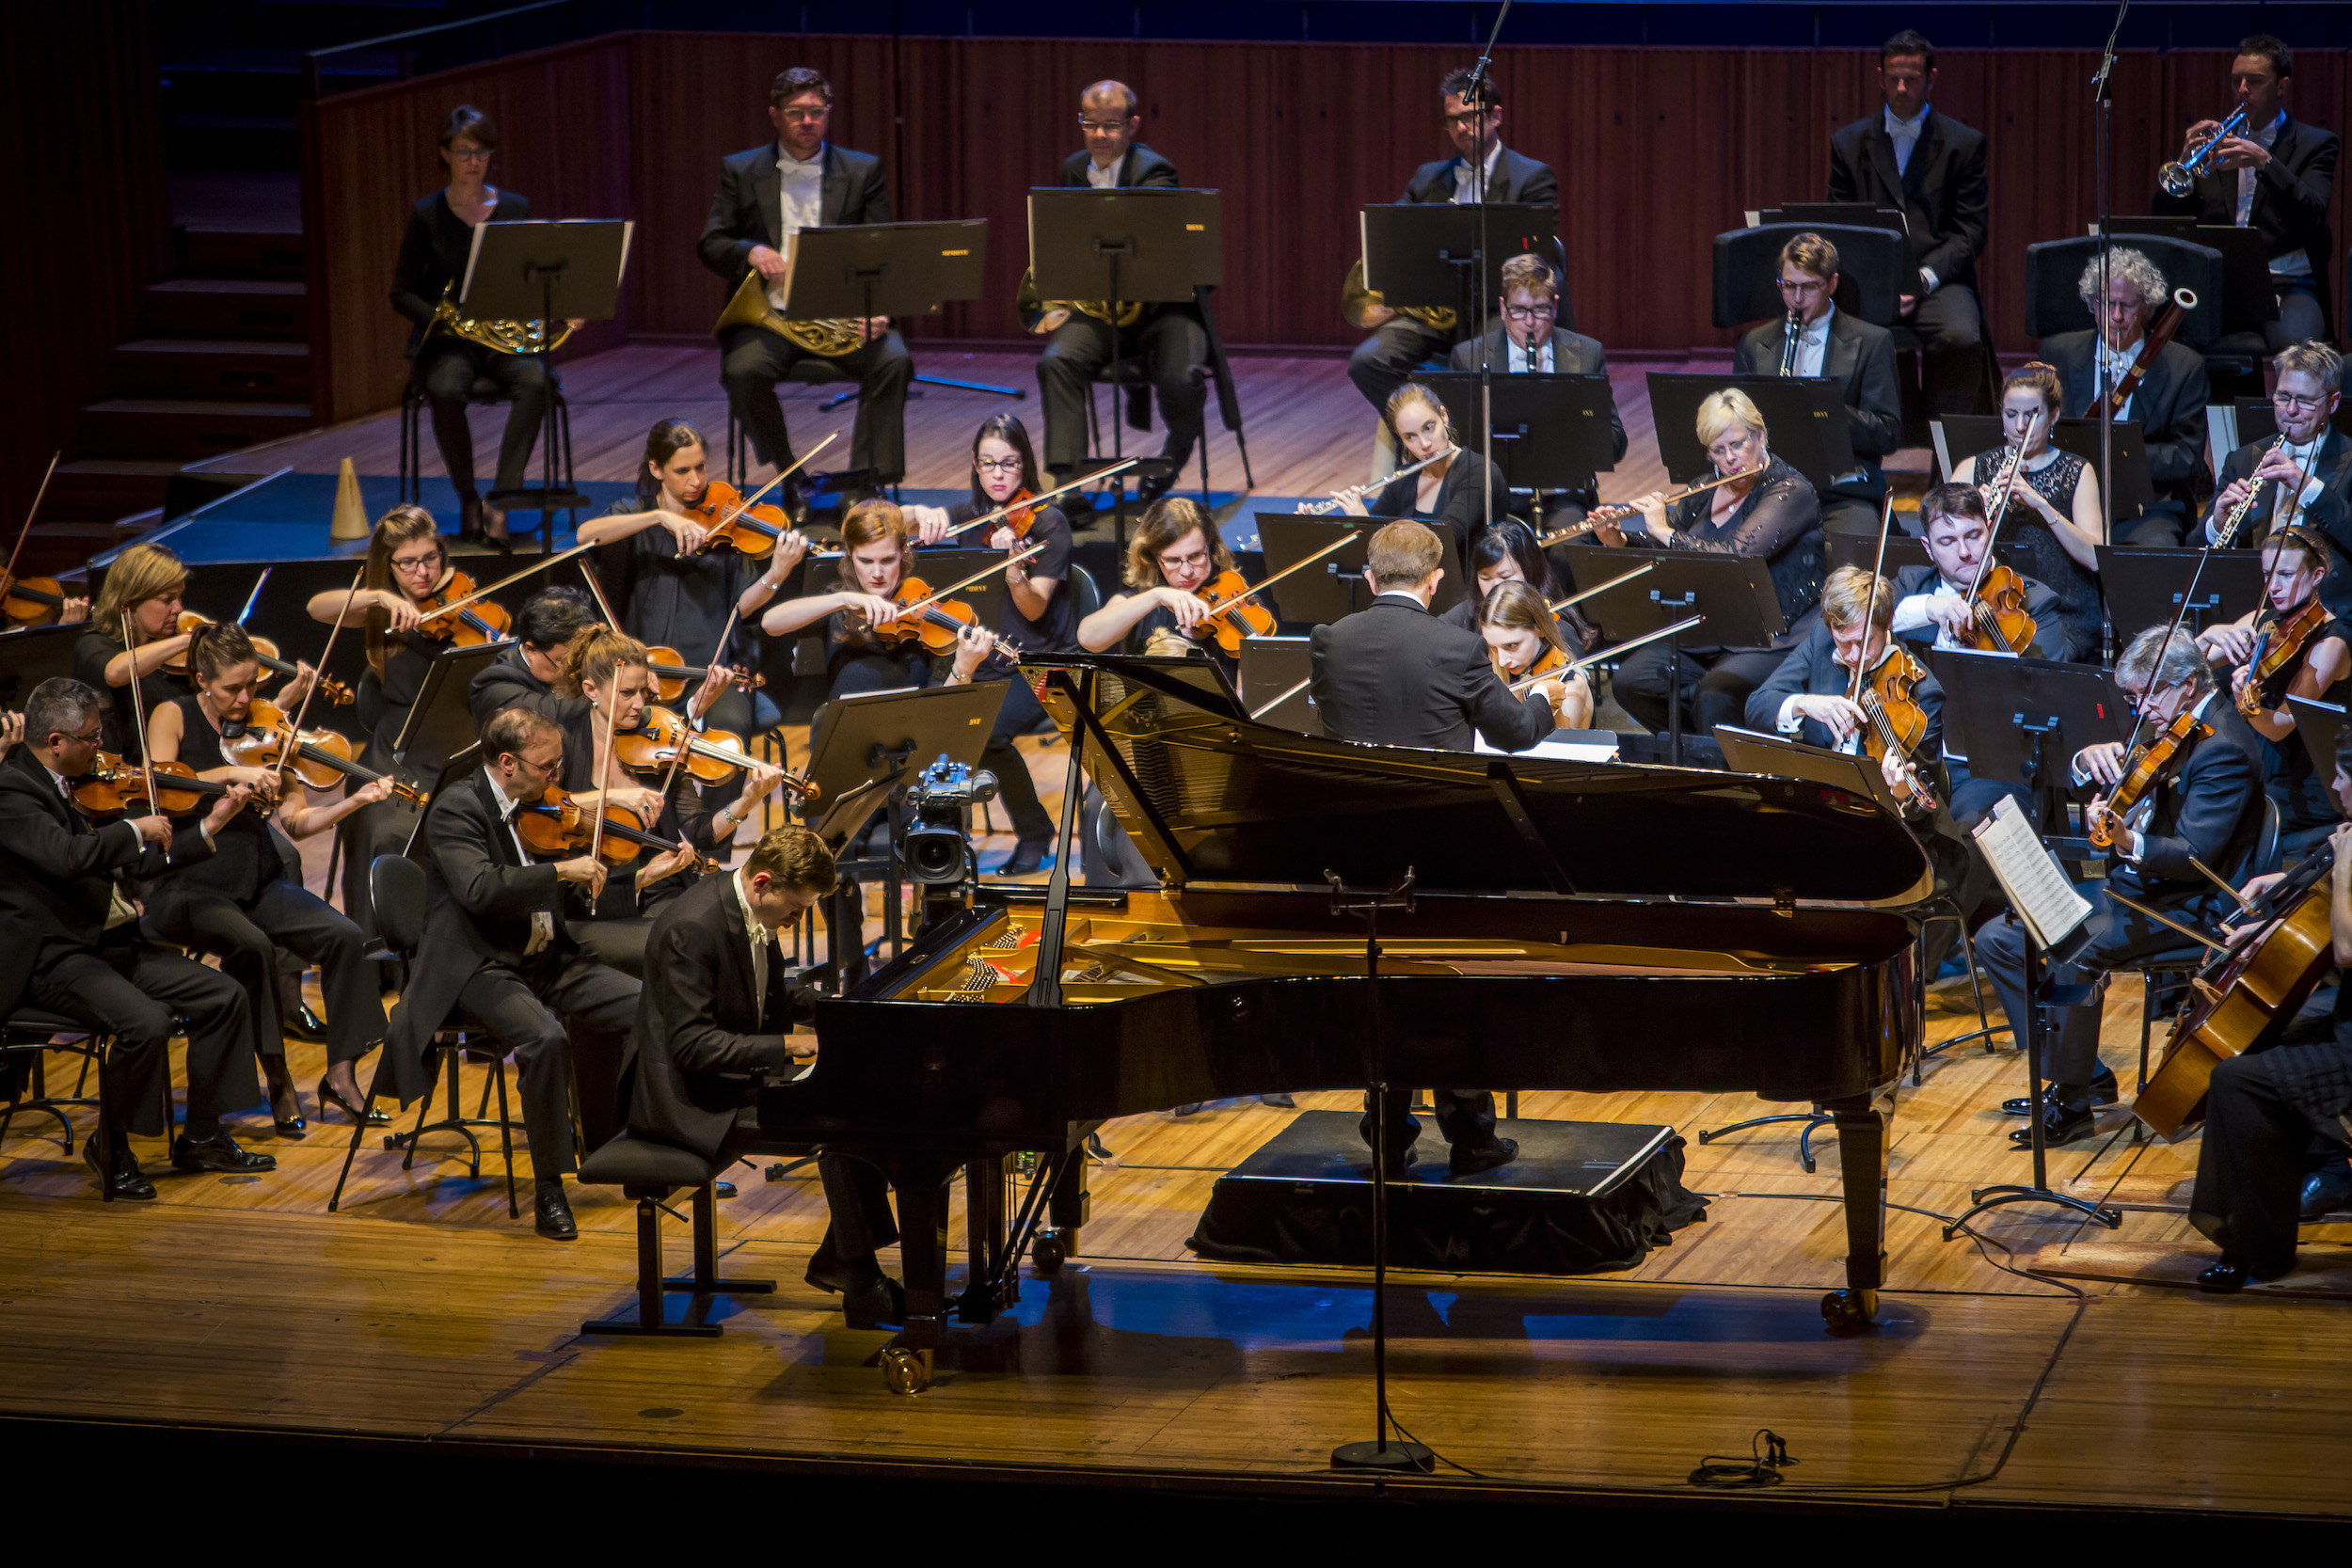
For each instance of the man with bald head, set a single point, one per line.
(1170, 339)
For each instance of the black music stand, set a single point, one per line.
(887, 269)
(33, 654)
(1426, 254)
(1550, 432)
(2319, 723)
(1335, 586)
(1811, 427)
(1733, 592)
(2144, 587)
(547, 271)
(2247, 300)
(440, 721)
(1124, 247)
(2021, 720)
(1274, 675)
(1965, 436)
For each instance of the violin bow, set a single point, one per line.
(146, 769)
(909, 611)
(294, 731)
(686, 738)
(1041, 497)
(253, 598)
(1627, 647)
(8, 574)
(1349, 537)
(480, 593)
(604, 767)
(1579, 597)
(752, 500)
(588, 575)
(1877, 584)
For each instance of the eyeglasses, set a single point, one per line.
(1803, 285)
(1467, 117)
(2291, 400)
(469, 154)
(1171, 565)
(1529, 312)
(997, 465)
(416, 563)
(1106, 127)
(90, 739)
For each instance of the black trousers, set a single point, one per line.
(2301, 319)
(1387, 360)
(752, 360)
(566, 1024)
(247, 938)
(136, 991)
(1174, 348)
(858, 1196)
(617, 943)
(1714, 685)
(447, 367)
(2115, 934)
(383, 828)
(1014, 786)
(1465, 1117)
(2250, 1168)
(1950, 324)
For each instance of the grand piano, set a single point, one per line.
(1572, 925)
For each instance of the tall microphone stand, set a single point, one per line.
(1474, 99)
(2103, 100)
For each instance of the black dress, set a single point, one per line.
(122, 727)
(2077, 589)
(1461, 500)
(434, 252)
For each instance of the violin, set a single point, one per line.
(114, 787)
(711, 758)
(671, 674)
(2147, 767)
(755, 531)
(936, 626)
(266, 651)
(468, 627)
(1550, 661)
(31, 601)
(319, 758)
(1231, 615)
(2000, 623)
(2277, 651)
(2264, 982)
(557, 824)
(1888, 697)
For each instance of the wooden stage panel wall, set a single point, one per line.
(1658, 150)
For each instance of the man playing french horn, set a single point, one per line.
(766, 196)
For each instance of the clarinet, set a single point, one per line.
(1790, 334)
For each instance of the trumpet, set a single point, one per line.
(2177, 178)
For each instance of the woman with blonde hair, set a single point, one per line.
(143, 588)
(2054, 514)
(1174, 553)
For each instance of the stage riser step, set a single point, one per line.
(235, 253)
(186, 430)
(220, 369)
(224, 308)
(98, 488)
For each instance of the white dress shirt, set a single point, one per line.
(1813, 345)
(1523, 361)
(1911, 611)
(542, 921)
(1467, 190)
(1905, 134)
(1104, 179)
(2295, 264)
(1789, 720)
(763, 941)
(801, 205)
(2118, 365)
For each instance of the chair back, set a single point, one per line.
(396, 888)
(2266, 844)
(1747, 271)
(1084, 597)
(2054, 267)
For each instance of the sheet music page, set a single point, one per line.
(2029, 873)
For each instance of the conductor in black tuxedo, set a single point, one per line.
(2169, 403)
(2276, 176)
(1848, 350)
(766, 195)
(1393, 674)
(1172, 338)
(1528, 338)
(497, 949)
(1401, 344)
(70, 942)
(1931, 168)
(2208, 809)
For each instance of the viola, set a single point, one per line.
(2000, 623)
(319, 758)
(2276, 653)
(31, 601)
(2147, 767)
(755, 531)
(266, 651)
(1889, 699)
(467, 626)
(114, 787)
(671, 674)
(557, 824)
(711, 758)
(1233, 614)
(2263, 983)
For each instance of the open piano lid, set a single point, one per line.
(1208, 796)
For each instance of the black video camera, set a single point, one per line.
(933, 846)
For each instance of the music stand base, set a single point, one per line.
(1992, 1198)
(1395, 1455)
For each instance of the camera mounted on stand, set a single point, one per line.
(935, 839)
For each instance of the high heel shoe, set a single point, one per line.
(288, 1127)
(328, 1097)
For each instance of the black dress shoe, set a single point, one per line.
(1028, 855)
(125, 1179)
(2103, 1092)
(1470, 1161)
(2325, 1191)
(2061, 1124)
(551, 1214)
(328, 1097)
(872, 1303)
(217, 1153)
(1189, 1108)
(301, 1023)
(2224, 1279)
(1279, 1102)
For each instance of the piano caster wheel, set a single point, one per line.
(1849, 1311)
(905, 1371)
(1049, 1251)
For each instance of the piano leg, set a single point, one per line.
(1065, 1211)
(984, 1291)
(921, 1181)
(1862, 1127)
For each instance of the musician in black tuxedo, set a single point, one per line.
(527, 675)
(1931, 604)
(1528, 338)
(766, 195)
(2208, 808)
(70, 942)
(2276, 177)
(2169, 403)
(2308, 384)
(1401, 344)
(1853, 352)
(1172, 338)
(1806, 697)
(1931, 168)
(496, 948)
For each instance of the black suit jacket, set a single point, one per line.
(434, 252)
(750, 205)
(2041, 603)
(1861, 359)
(1811, 669)
(1141, 167)
(698, 1036)
(2331, 513)
(1942, 194)
(2291, 197)
(1572, 354)
(507, 682)
(58, 874)
(2210, 809)
(1516, 178)
(1393, 674)
(2169, 403)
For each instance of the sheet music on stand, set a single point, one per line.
(2029, 873)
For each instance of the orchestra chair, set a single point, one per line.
(1125, 375)
(26, 1038)
(649, 1172)
(811, 372)
(2053, 306)
(554, 445)
(396, 885)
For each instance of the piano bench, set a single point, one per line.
(650, 1172)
